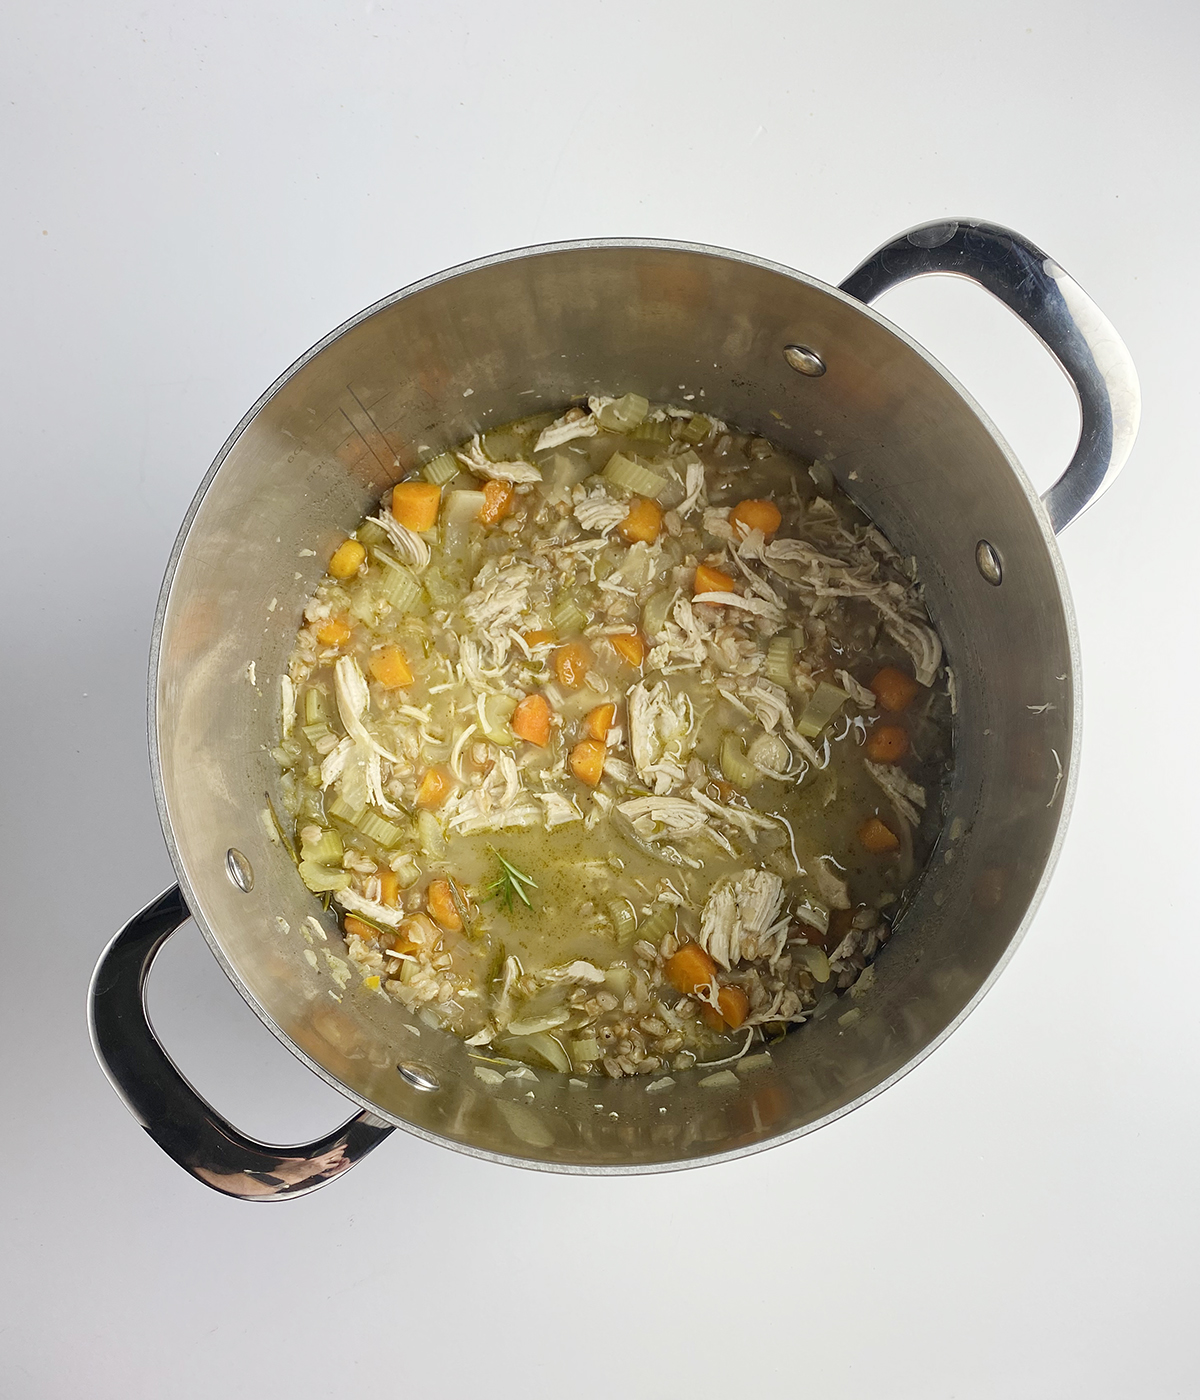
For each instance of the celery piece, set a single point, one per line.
(320, 879)
(697, 428)
(624, 921)
(364, 605)
(737, 768)
(652, 430)
(823, 705)
(326, 850)
(396, 584)
(497, 711)
(342, 809)
(567, 617)
(314, 733)
(380, 830)
(371, 533)
(314, 706)
(585, 1050)
(655, 612)
(625, 471)
(655, 927)
(429, 835)
(623, 414)
(442, 594)
(778, 667)
(441, 469)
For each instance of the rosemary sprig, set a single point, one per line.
(511, 882)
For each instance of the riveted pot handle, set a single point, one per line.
(167, 1106)
(1058, 311)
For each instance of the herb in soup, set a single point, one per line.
(616, 739)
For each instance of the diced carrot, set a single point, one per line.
(571, 663)
(358, 927)
(598, 722)
(390, 667)
(442, 909)
(894, 690)
(877, 838)
(756, 515)
(643, 522)
(689, 968)
(536, 638)
(531, 720)
(732, 1008)
(630, 647)
(389, 887)
(587, 761)
(346, 559)
(887, 743)
(333, 631)
(497, 501)
(710, 580)
(415, 504)
(434, 788)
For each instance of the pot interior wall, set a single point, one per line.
(517, 335)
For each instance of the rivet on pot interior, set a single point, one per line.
(804, 359)
(418, 1076)
(988, 562)
(239, 870)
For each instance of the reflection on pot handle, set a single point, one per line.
(167, 1106)
(1058, 311)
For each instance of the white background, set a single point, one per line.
(193, 194)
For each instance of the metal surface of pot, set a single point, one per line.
(767, 349)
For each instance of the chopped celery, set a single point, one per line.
(734, 764)
(624, 921)
(342, 809)
(371, 533)
(441, 469)
(567, 617)
(624, 414)
(624, 471)
(655, 927)
(823, 705)
(320, 879)
(585, 1050)
(442, 594)
(779, 660)
(697, 428)
(652, 430)
(497, 711)
(378, 829)
(314, 733)
(396, 583)
(327, 849)
(656, 611)
(429, 835)
(314, 706)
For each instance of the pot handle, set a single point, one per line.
(1062, 316)
(167, 1106)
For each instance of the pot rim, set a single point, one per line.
(528, 253)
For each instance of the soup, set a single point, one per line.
(616, 739)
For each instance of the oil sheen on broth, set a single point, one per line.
(616, 739)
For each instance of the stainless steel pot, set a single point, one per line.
(773, 351)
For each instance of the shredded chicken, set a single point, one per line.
(475, 461)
